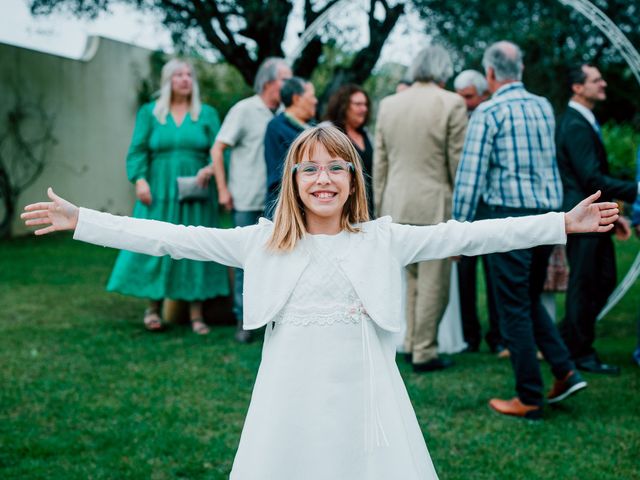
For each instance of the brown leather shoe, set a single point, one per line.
(504, 353)
(516, 408)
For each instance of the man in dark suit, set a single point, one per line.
(582, 160)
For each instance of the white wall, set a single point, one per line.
(94, 102)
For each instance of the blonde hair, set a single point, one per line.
(163, 104)
(289, 221)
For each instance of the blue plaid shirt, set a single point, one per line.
(509, 155)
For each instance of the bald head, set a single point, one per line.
(505, 59)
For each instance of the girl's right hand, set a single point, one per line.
(58, 214)
(143, 191)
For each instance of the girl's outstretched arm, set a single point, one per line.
(151, 237)
(57, 215)
(417, 244)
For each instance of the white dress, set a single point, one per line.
(329, 402)
(450, 335)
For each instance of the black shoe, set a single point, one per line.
(471, 349)
(432, 365)
(407, 357)
(593, 364)
(570, 384)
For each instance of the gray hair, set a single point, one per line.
(506, 60)
(431, 64)
(471, 78)
(268, 72)
(163, 103)
(292, 86)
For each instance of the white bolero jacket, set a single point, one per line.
(373, 261)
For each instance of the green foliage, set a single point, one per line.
(87, 393)
(552, 37)
(622, 142)
(150, 85)
(334, 55)
(246, 32)
(221, 85)
(381, 84)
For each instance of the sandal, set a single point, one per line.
(198, 326)
(152, 321)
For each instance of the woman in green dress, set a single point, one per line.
(172, 138)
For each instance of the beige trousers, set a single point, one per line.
(427, 298)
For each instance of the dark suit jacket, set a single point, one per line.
(583, 164)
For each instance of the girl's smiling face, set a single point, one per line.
(323, 189)
(324, 192)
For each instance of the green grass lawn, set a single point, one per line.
(85, 392)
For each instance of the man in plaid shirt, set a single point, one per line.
(508, 168)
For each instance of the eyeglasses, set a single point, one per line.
(310, 170)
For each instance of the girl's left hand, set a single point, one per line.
(204, 175)
(589, 217)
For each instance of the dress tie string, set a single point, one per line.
(374, 434)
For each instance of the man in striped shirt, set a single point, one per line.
(508, 168)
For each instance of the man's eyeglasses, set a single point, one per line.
(310, 170)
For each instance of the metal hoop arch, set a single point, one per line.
(587, 9)
(609, 30)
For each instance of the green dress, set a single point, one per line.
(161, 153)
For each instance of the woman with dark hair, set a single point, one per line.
(348, 109)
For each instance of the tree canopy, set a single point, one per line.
(245, 32)
(552, 37)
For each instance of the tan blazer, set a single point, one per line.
(419, 138)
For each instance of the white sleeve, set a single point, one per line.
(417, 244)
(151, 237)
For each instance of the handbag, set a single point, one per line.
(189, 190)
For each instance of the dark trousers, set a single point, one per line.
(592, 278)
(518, 280)
(467, 279)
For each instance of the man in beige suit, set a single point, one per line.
(419, 137)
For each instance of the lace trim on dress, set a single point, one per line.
(311, 316)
